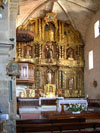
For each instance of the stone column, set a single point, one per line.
(7, 53)
(12, 15)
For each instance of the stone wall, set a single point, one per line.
(7, 54)
(92, 43)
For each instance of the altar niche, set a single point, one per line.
(50, 74)
(28, 51)
(70, 53)
(50, 31)
(49, 53)
(50, 90)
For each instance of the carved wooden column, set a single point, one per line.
(19, 51)
(43, 24)
(36, 30)
(62, 30)
(40, 50)
(59, 31)
(59, 52)
(40, 29)
(37, 78)
(60, 79)
(62, 52)
(56, 33)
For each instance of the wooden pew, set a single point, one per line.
(61, 122)
(55, 125)
(93, 103)
(48, 125)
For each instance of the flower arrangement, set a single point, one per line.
(75, 107)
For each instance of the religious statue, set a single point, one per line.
(27, 92)
(49, 77)
(70, 85)
(50, 31)
(50, 90)
(28, 52)
(70, 54)
(49, 53)
(19, 52)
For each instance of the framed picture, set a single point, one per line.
(50, 90)
(13, 69)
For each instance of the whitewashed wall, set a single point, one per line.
(92, 43)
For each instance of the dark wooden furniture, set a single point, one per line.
(55, 125)
(62, 122)
(48, 102)
(93, 103)
(47, 125)
(88, 115)
(26, 102)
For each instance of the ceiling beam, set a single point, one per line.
(34, 10)
(82, 6)
(52, 6)
(67, 14)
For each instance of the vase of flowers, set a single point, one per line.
(75, 108)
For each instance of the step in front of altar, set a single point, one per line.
(30, 109)
(48, 108)
(36, 109)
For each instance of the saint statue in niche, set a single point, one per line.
(49, 77)
(70, 83)
(19, 52)
(50, 31)
(49, 53)
(28, 51)
(50, 89)
(70, 53)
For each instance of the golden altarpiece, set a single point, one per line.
(53, 55)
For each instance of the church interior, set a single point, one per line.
(49, 66)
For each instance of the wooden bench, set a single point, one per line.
(54, 121)
(24, 126)
(92, 103)
(48, 125)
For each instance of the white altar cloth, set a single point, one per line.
(27, 99)
(71, 101)
(50, 98)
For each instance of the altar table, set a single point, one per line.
(49, 99)
(28, 101)
(71, 101)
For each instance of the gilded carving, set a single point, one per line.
(27, 93)
(57, 52)
(50, 90)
